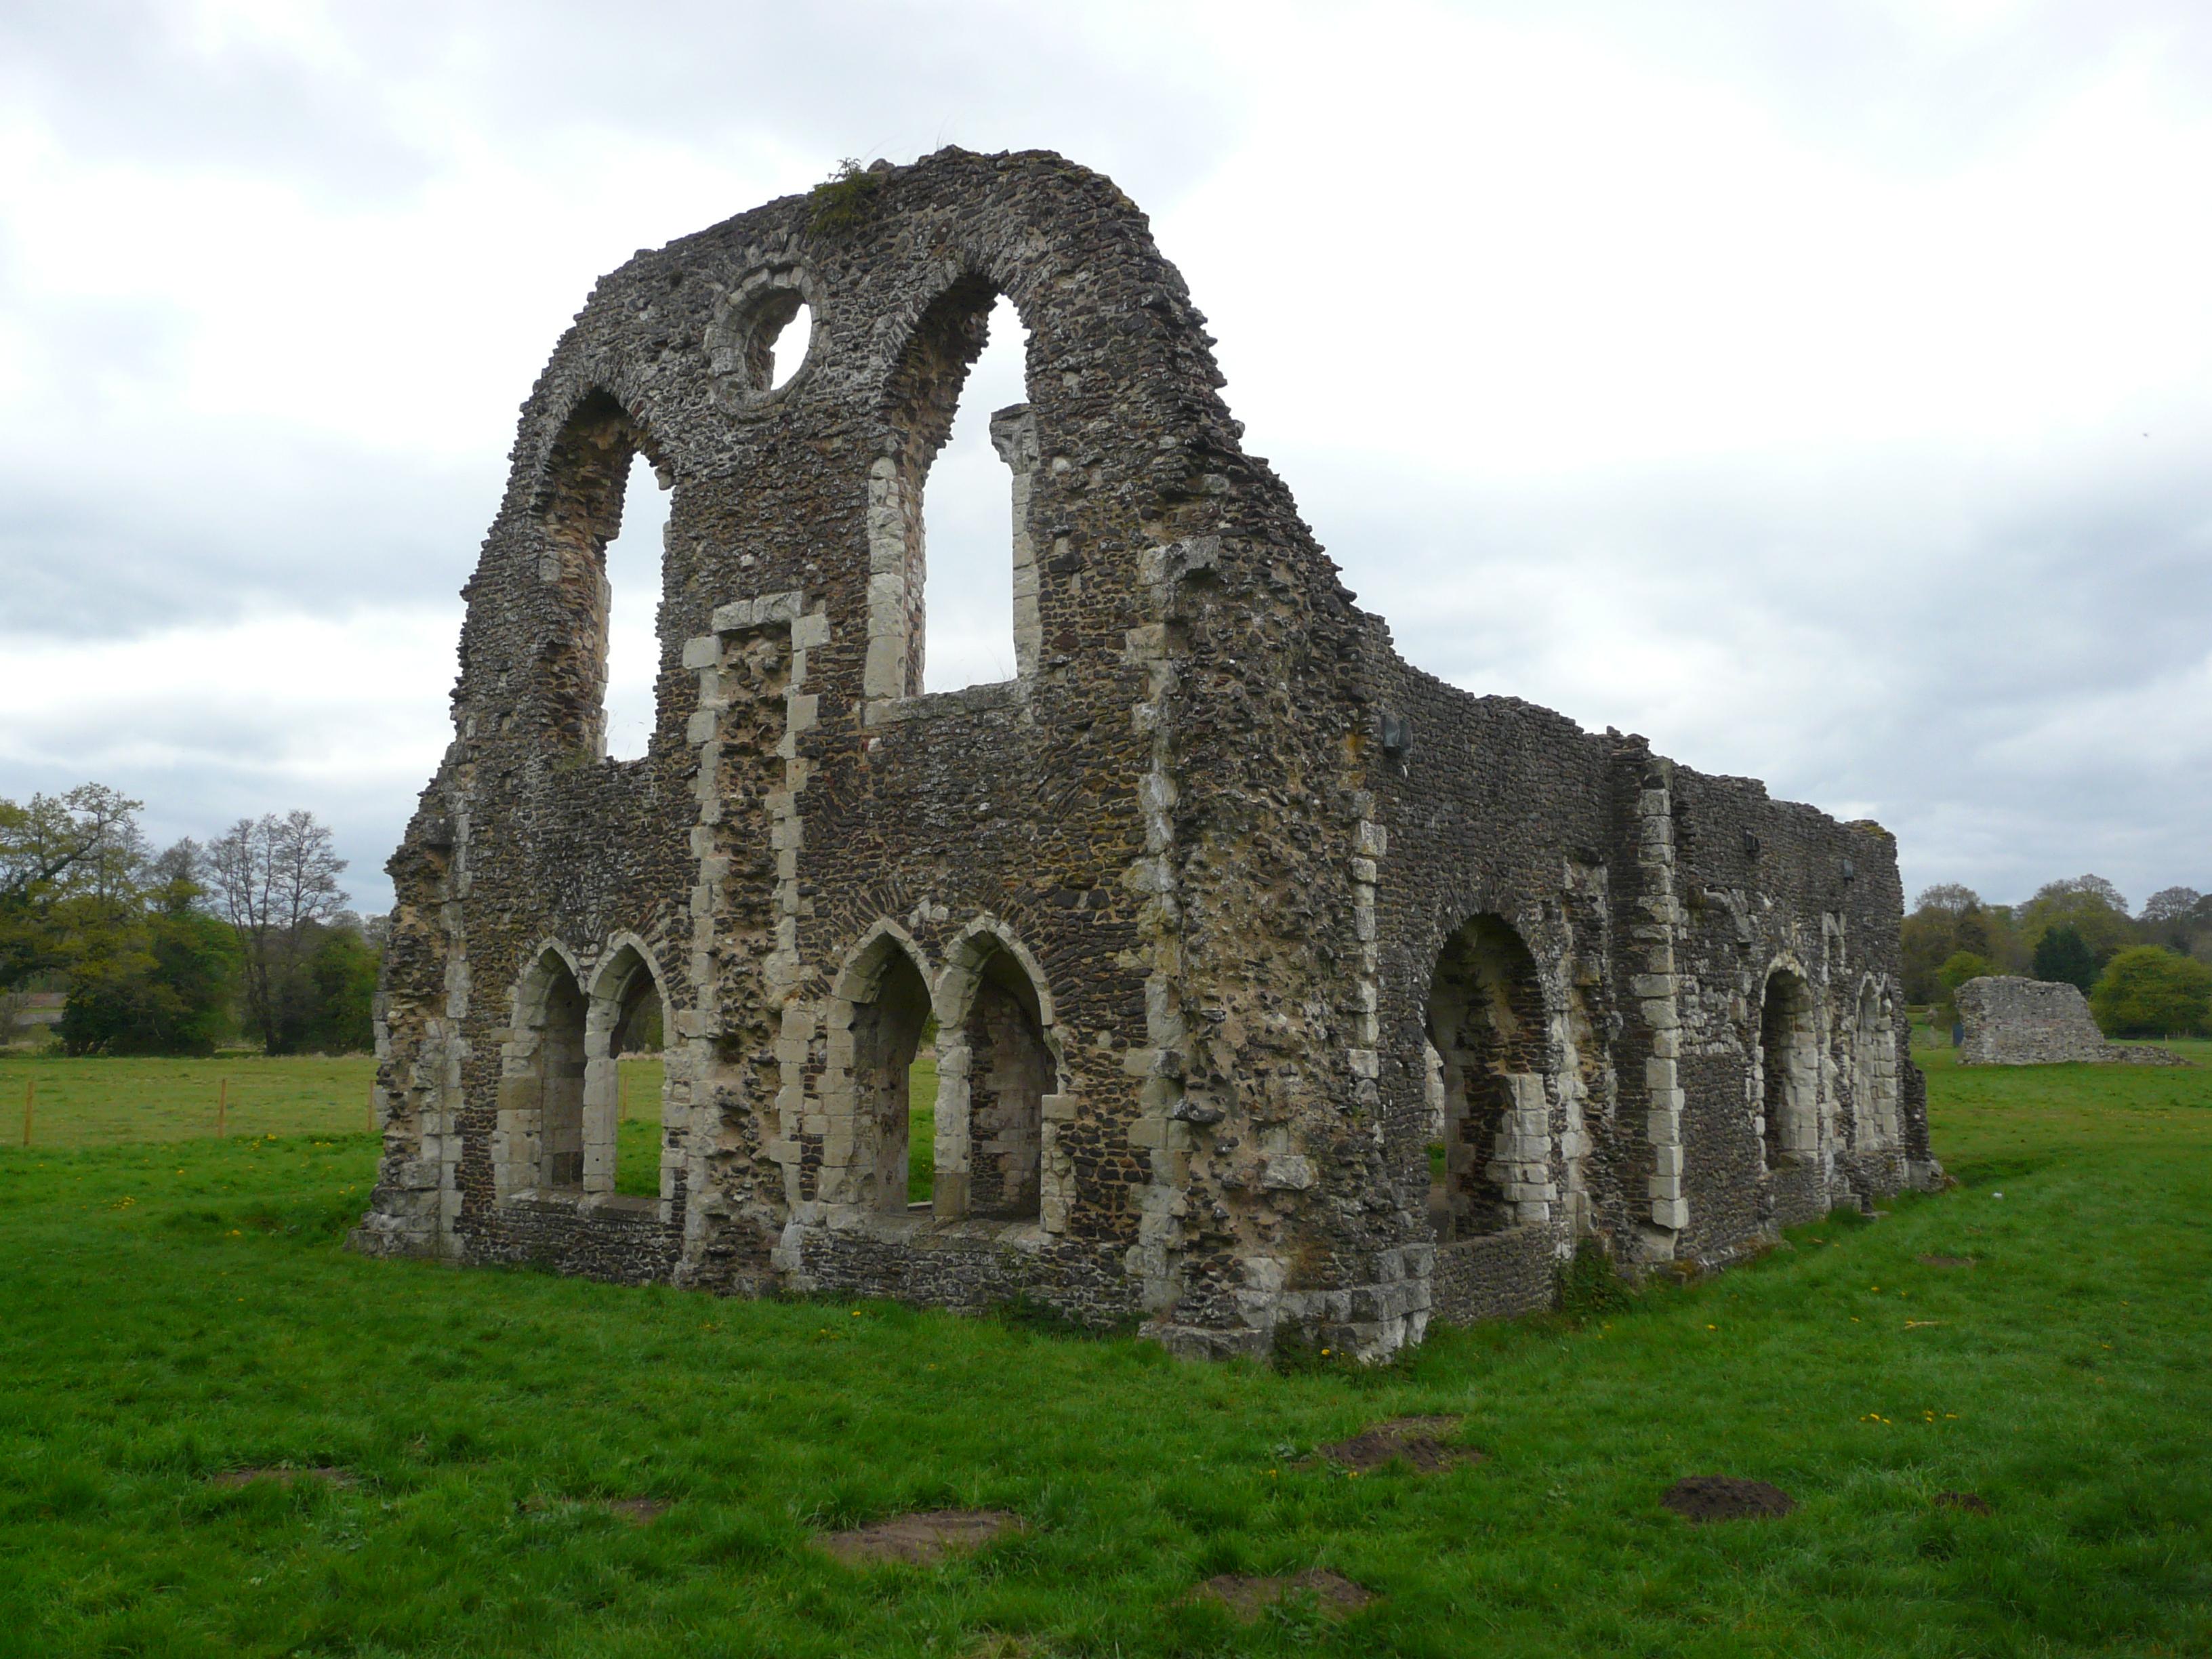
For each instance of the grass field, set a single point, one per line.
(173, 1309)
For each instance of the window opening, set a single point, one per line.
(561, 1083)
(634, 578)
(921, 1120)
(634, 1045)
(787, 346)
(1010, 1072)
(968, 526)
(887, 1037)
(1487, 1027)
(1785, 1044)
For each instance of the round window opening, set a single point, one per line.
(759, 345)
(784, 344)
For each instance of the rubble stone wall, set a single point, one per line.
(1177, 895)
(2012, 1021)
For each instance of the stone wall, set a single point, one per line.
(2011, 1021)
(1219, 905)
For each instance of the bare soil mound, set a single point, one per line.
(1973, 1503)
(1947, 1261)
(643, 1510)
(283, 1477)
(924, 1538)
(1702, 1498)
(1418, 1441)
(1247, 1598)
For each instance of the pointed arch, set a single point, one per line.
(627, 989)
(1001, 1083)
(874, 1018)
(1873, 1069)
(1788, 1065)
(921, 398)
(578, 511)
(1490, 1025)
(537, 1139)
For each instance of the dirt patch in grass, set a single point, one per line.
(1702, 1498)
(1947, 1261)
(1247, 1598)
(1972, 1502)
(283, 1477)
(924, 1538)
(1418, 1441)
(643, 1510)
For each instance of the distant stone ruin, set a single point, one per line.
(1200, 906)
(2012, 1021)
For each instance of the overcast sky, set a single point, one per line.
(1823, 390)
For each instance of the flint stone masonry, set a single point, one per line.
(2012, 1021)
(1224, 918)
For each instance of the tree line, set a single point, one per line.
(2145, 975)
(178, 952)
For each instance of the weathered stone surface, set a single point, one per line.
(2011, 1021)
(1223, 913)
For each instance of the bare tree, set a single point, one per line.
(2170, 903)
(1950, 897)
(274, 878)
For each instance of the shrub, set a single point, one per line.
(2151, 992)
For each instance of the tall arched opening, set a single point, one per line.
(995, 1072)
(1874, 1071)
(993, 634)
(628, 1143)
(1788, 1069)
(1486, 1023)
(876, 1023)
(587, 481)
(539, 1143)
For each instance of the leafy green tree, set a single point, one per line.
(1949, 918)
(68, 865)
(2062, 957)
(1962, 967)
(2092, 906)
(334, 997)
(2151, 992)
(162, 979)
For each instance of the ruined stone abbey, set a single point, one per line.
(1222, 914)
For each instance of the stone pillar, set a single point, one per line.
(1014, 435)
(1654, 920)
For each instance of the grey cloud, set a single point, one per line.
(223, 520)
(1124, 87)
(1920, 636)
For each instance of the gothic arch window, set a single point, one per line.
(1788, 1069)
(996, 1074)
(968, 351)
(604, 583)
(538, 1144)
(1487, 1025)
(628, 1017)
(876, 1019)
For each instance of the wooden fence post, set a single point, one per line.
(30, 1093)
(222, 1106)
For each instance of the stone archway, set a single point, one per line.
(1487, 1025)
(1789, 1070)
(998, 1077)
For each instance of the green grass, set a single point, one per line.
(920, 1128)
(101, 1103)
(170, 1311)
